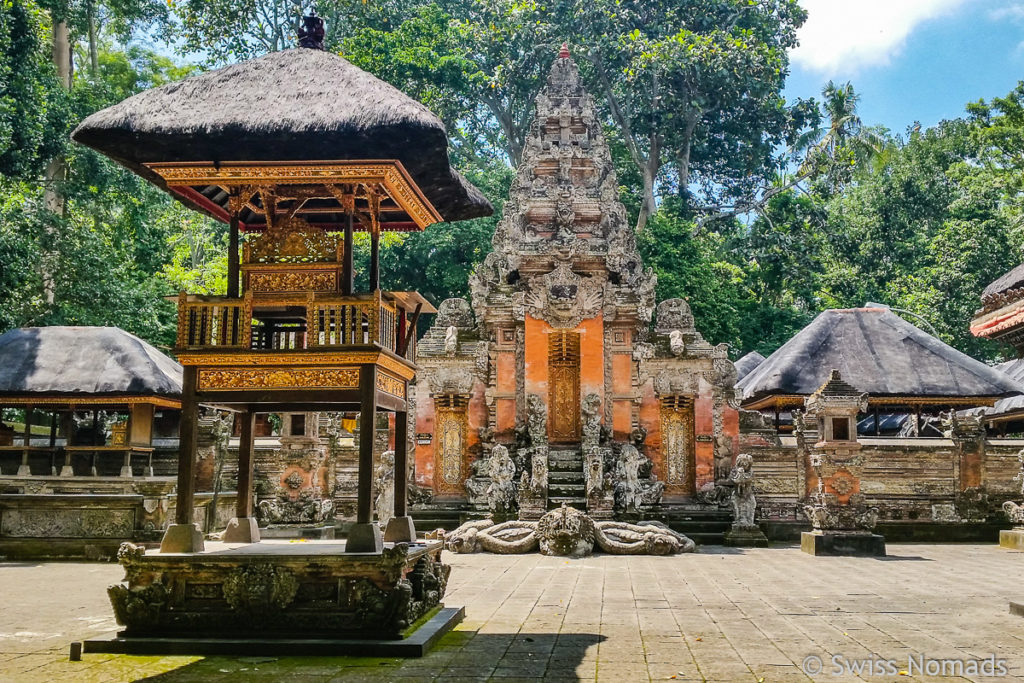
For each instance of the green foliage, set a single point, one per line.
(761, 213)
(31, 101)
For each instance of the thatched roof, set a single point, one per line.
(92, 361)
(1013, 369)
(294, 105)
(877, 352)
(747, 364)
(1011, 280)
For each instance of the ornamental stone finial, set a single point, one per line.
(563, 52)
(311, 33)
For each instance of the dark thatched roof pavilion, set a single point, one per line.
(298, 105)
(83, 364)
(747, 364)
(877, 352)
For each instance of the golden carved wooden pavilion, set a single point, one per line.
(296, 150)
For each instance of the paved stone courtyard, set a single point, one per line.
(720, 615)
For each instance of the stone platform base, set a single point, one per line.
(324, 532)
(278, 590)
(1012, 538)
(416, 644)
(814, 543)
(746, 538)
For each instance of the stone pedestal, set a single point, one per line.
(182, 538)
(1012, 538)
(746, 537)
(276, 590)
(400, 530)
(838, 543)
(364, 538)
(241, 530)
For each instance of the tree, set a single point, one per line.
(693, 89)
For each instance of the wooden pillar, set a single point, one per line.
(187, 445)
(347, 273)
(233, 255)
(23, 469)
(878, 428)
(93, 471)
(126, 468)
(401, 462)
(375, 260)
(243, 503)
(68, 427)
(400, 527)
(183, 536)
(53, 443)
(367, 428)
(243, 528)
(364, 536)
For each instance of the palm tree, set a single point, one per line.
(846, 132)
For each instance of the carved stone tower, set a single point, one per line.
(556, 358)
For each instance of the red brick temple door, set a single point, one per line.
(564, 386)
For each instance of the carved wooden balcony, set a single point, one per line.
(300, 343)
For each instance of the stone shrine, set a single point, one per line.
(556, 360)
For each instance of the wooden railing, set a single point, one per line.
(216, 323)
(254, 322)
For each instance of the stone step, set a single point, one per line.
(573, 490)
(578, 502)
(575, 477)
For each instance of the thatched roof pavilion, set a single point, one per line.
(83, 364)
(297, 105)
(66, 371)
(877, 352)
(747, 364)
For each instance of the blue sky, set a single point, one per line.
(911, 60)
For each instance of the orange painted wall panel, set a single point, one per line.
(505, 372)
(536, 357)
(425, 452)
(505, 416)
(592, 356)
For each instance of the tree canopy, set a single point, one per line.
(761, 212)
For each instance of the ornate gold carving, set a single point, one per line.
(297, 358)
(292, 281)
(390, 175)
(293, 246)
(677, 442)
(390, 385)
(450, 427)
(278, 378)
(564, 386)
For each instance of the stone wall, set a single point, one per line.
(910, 481)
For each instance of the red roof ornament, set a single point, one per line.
(563, 53)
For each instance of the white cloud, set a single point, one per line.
(847, 35)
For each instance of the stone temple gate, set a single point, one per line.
(556, 361)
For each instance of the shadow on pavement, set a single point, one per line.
(459, 656)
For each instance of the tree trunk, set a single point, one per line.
(94, 49)
(56, 169)
(649, 172)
